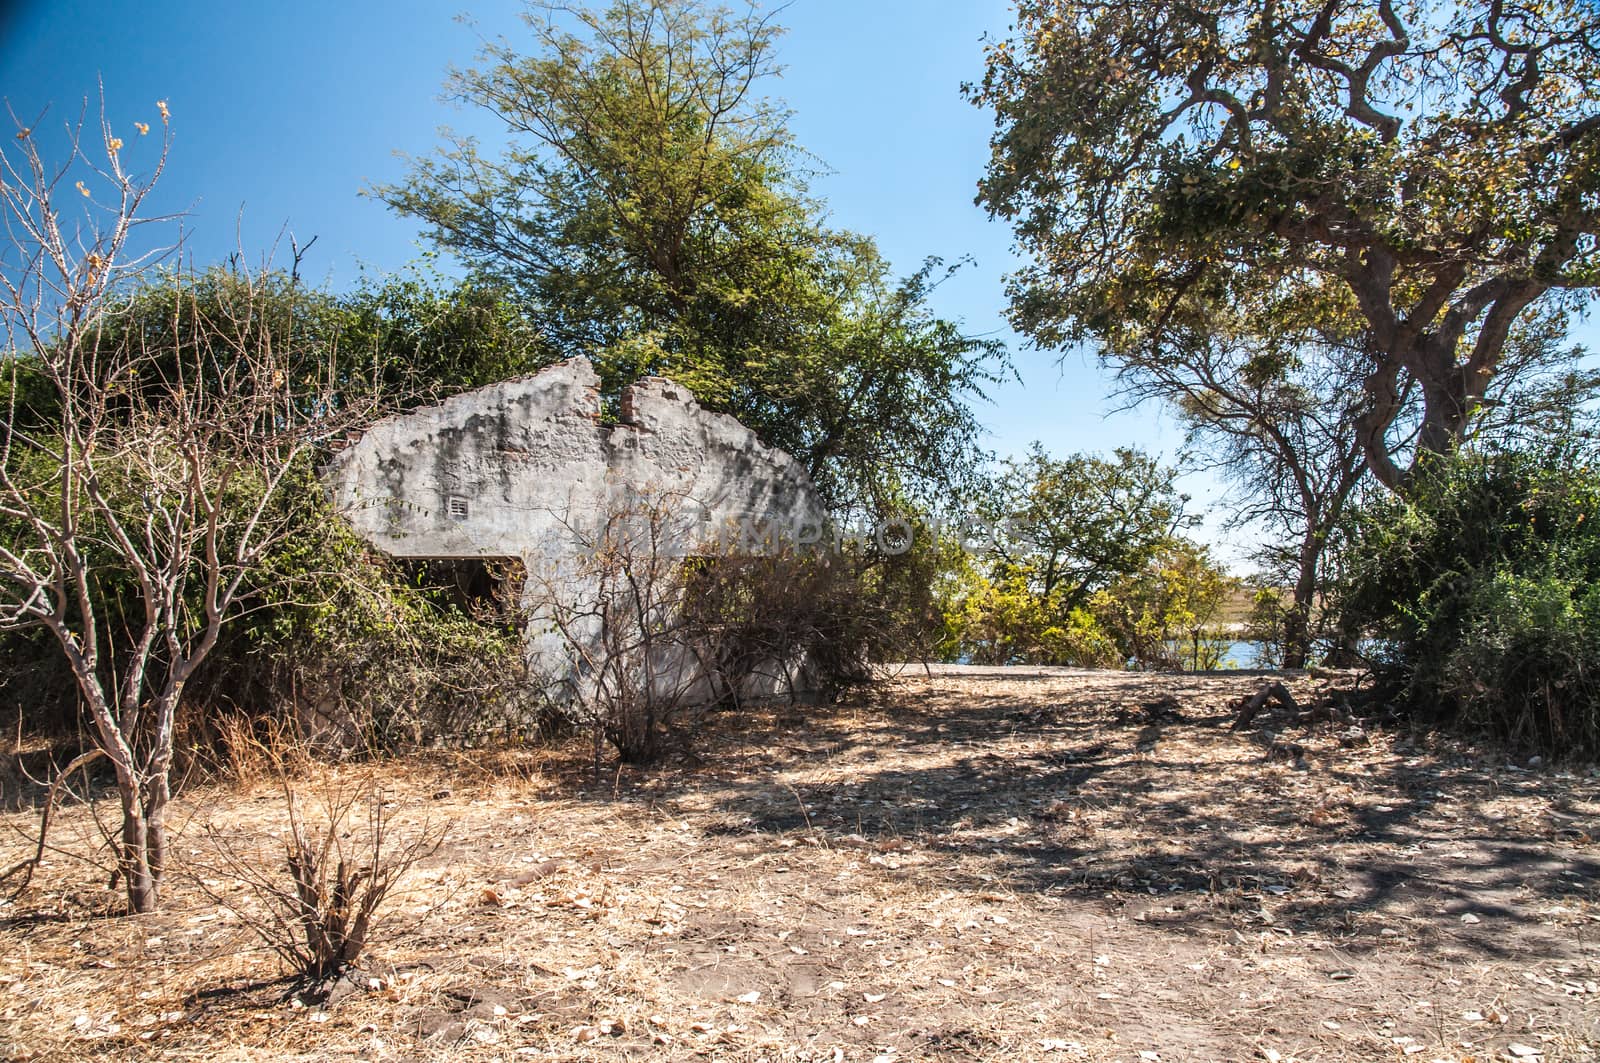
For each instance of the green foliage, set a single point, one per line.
(642, 196)
(1069, 526)
(1064, 530)
(397, 343)
(351, 645)
(648, 211)
(1427, 172)
(419, 340)
(331, 638)
(1002, 621)
(1479, 589)
(1163, 615)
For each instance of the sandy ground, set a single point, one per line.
(976, 864)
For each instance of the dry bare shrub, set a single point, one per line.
(143, 472)
(660, 623)
(791, 622)
(617, 607)
(319, 908)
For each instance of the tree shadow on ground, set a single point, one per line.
(1185, 823)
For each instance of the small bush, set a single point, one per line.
(1000, 618)
(321, 914)
(1480, 594)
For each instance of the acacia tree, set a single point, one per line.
(138, 478)
(649, 211)
(1428, 169)
(1276, 416)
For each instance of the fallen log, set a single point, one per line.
(1252, 706)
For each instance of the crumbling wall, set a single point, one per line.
(525, 469)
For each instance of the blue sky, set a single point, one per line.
(283, 113)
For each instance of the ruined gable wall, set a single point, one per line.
(525, 469)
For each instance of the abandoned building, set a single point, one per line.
(527, 470)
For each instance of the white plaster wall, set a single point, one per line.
(538, 474)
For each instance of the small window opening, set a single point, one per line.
(488, 589)
(456, 507)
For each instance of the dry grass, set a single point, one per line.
(969, 866)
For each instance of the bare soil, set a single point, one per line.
(970, 865)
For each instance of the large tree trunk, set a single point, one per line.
(1447, 399)
(1452, 389)
(1384, 403)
